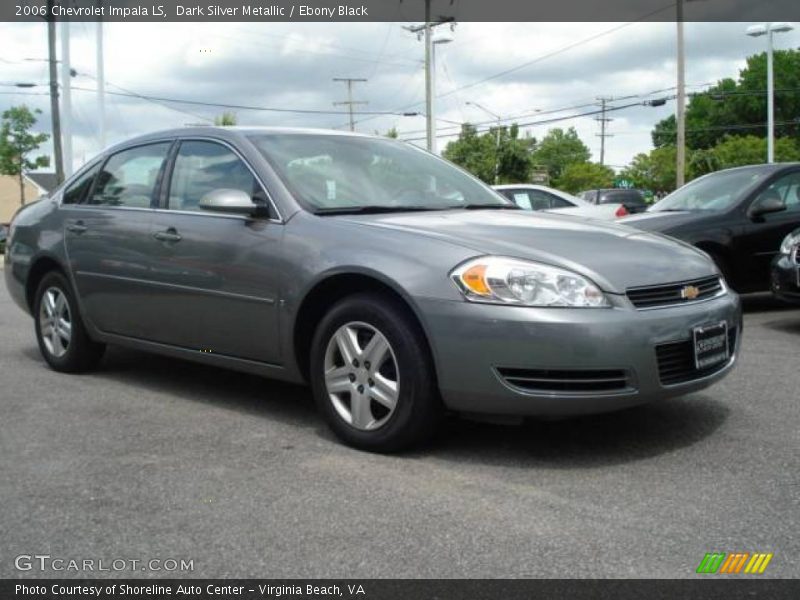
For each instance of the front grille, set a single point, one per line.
(554, 380)
(673, 293)
(676, 361)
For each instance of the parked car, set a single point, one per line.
(786, 269)
(3, 236)
(738, 216)
(633, 200)
(540, 197)
(393, 282)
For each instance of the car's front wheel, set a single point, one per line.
(372, 375)
(60, 332)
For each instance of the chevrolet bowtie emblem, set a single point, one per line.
(690, 292)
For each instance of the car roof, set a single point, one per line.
(229, 133)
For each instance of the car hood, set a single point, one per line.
(613, 256)
(663, 220)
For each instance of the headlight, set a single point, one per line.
(500, 280)
(789, 242)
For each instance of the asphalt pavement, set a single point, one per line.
(152, 457)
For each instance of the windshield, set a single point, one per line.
(335, 172)
(718, 191)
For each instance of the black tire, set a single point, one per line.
(81, 353)
(418, 409)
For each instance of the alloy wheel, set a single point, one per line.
(55, 322)
(362, 377)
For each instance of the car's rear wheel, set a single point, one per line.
(372, 375)
(60, 332)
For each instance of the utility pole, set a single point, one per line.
(55, 116)
(430, 119)
(101, 83)
(66, 100)
(350, 102)
(680, 142)
(426, 33)
(603, 135)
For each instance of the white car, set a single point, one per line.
(539, 197)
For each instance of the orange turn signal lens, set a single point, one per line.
(474, 279)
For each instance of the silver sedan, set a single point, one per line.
(398, 286)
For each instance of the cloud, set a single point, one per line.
(290, 65)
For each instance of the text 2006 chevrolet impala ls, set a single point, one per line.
(394, 283)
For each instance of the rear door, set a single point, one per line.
(216, 275)
(107, 221)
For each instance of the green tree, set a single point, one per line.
(392, 133)
(653, 171)
(479, 153)
(560, 149)
(580, 176)
(735, 106)
(226, 119)
(737, 151)
(17, 141)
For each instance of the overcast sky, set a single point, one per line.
(291, 66)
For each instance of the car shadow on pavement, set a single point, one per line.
(187, 380)
(586, 442)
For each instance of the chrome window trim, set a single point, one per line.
(179, 139)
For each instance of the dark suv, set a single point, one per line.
(633, 200)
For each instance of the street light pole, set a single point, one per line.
(680, 142)
(496, 139)
(769, 29)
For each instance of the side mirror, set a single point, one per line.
(767, 204)
(228, 201)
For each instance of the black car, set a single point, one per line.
(738, 216)
(786, 269)
(632, 200)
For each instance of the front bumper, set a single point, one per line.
(785, 278)
(474, 343)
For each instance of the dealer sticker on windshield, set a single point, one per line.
(711, 345)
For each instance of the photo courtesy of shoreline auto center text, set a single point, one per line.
(394, 299)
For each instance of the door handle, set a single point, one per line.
(170, 235)
(77, 227)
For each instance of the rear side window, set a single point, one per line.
(201, 168)
(78, 189)
(130, 178)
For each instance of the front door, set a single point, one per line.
(215, 275)
(762, 236)
(107, 232)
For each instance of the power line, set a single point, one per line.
(543, 57)
(243, 106)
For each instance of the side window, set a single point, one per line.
(786, 188)
(539, 200)
(202, 167)
(556, 202)
(130, 177)
(76, 192)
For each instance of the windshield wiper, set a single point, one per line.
(368, 209)
(487, 206)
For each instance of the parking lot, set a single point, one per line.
(157, 458)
